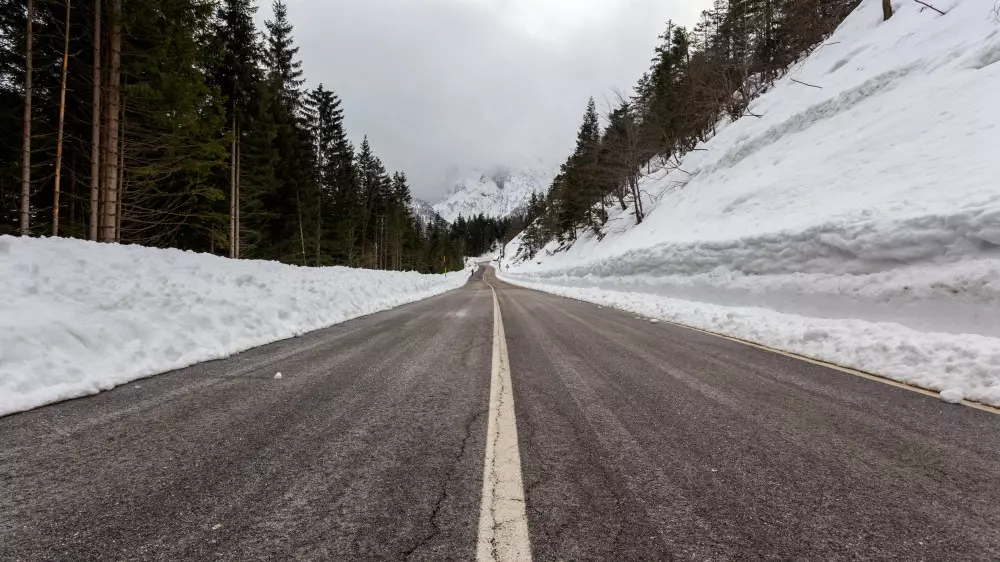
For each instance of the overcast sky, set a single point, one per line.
(441, 86)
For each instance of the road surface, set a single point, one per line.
(635, 441)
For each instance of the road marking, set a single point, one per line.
(503, 522)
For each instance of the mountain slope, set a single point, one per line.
(857, 221)
(422, 210)
(498, 192)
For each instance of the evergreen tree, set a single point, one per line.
(171, 126)
(286, 70)
(238, 78)
(576, 189)
(372, 180)
(295, 191)
(325, 124)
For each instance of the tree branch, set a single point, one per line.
(931, 7)
(804, 84)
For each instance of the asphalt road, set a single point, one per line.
(637, 441)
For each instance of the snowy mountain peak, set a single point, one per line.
(422, 210)
(496, 192)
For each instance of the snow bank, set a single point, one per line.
(959, 364)
(871, 203)
(78, 317)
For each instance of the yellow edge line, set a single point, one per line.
(820, 362)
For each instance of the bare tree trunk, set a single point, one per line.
(351, 235)
(95, 134)
(319, 229)
(637, 198)
(109, 226)
(302, 233)
(238, 158)
(121, 184)
(103, 157)
(72, 194)
(59, 135)
(26, 150)
(886, 10)
(232, 190)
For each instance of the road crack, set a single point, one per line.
(443, 493)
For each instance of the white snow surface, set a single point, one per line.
(858, 223)
(952, 395)
(79, 317)
(497, 192)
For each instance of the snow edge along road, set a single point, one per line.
(931, 393)
(503, 522)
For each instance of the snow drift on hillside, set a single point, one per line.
(79, 317)
(497, 193)
(858, 222)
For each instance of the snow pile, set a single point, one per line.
(78, 317)
(497, 192)
(960, 364)
(858, 222)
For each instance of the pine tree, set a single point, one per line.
(576, 188)
(374, 186)
(173, 127)
(237, 78)
(335, 174)
(295, 192)
(286, 70)
(334, 158)
(400, 221)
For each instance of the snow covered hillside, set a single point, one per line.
(79, 317)
(422, 210)
(857, 222)
(498, 192)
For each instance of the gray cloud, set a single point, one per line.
(439, 85)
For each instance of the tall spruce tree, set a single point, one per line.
(295, 190)
(285, 68)
(172, 126)
(238, 77)
(576, 188)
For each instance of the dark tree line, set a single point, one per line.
(186, 126)
(481, 234)
(696, 77)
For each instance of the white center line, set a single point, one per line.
(503, 523)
